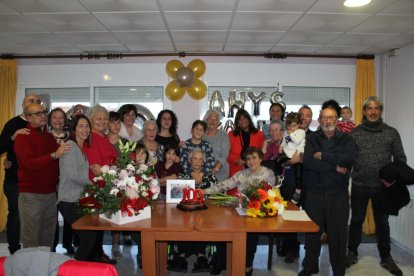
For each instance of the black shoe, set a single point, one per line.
(139, 260)
(178, 264)
(105, 259)
(390, 265)
(351, 259)
(69, 250)
(291, 257)
(304, 273)
(201, 265)
(250, 272)
(296, 198)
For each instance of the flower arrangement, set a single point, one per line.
(263, 200)
(125, 187)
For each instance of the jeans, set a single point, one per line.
(359, 201)
(11, 191)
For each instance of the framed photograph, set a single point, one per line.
(175, 189)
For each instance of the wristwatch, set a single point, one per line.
(53, 155)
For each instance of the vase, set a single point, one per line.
(119, 219)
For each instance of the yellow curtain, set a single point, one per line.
(8, 90)
(364, 87)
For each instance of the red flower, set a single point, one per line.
(118, 194)
(150, 193)
(133, 155)
(262, 194)
(100, 183)
(254, 204)
(137, 178)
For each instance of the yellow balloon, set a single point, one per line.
(198, 66)
(172, 67)
(198, 90)
(174, 92)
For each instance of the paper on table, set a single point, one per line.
(295, 215)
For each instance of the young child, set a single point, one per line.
(346, 125)
(293, 140)
(142, 154)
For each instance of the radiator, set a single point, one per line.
(402, 226)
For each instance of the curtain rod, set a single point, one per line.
(115, 56)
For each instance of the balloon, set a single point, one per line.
(233, 103)
(172, 67)
(174, 92)
(198, 66)
(46, 101)
(216, 96)
(229, 125)
(184, 77)
(198, 90)
(276, 97)
(256, 99)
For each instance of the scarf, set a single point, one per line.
(372, 126)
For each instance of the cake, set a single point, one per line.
(193, 200)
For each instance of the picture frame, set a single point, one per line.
(175, 189)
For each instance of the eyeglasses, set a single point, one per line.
(328, 118)
(39, 114)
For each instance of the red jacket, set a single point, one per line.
(236, 146)
(38, 173)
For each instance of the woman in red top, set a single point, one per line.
(101, 152)
(244, 135)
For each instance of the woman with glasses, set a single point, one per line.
(154, 148)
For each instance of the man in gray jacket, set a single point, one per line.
(377, 144)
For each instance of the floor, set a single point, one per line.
(368, 263)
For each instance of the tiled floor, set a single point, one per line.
(368, 264)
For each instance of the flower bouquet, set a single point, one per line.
(263, 200)
(122, 192)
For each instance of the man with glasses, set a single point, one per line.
(376, 145)
(38, 173)
(328, 159)
(14, 127)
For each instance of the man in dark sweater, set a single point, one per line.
(14, 127)
(377, 144)
(38, 176)
(328, 158)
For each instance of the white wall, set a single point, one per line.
(250, 71)
(399, 96)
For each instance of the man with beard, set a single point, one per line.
(328, 159)
(377, 144)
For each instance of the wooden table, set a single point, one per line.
(167, 223)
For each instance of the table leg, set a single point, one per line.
(162, 257)
(149, 266)
(238, 254)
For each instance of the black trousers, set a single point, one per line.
(329, 212)
(87, 250)
(359, 202)
(11, 191)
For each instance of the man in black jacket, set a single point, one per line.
(15, 126)
(328, 159)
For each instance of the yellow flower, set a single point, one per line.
(272, 211)
(252, 212)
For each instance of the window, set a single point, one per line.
(65, 98)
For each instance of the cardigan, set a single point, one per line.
(236, 146)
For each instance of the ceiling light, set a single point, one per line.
(356, 3)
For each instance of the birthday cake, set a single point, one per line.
(193, 200)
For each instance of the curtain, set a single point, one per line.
(8, 89)
(364, 87)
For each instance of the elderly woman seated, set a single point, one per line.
(241, 180)
(203, 180)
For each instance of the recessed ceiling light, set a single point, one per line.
(356, 3)
(132, 89)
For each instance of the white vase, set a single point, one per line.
(117, 218)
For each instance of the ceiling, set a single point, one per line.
(312, 27)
